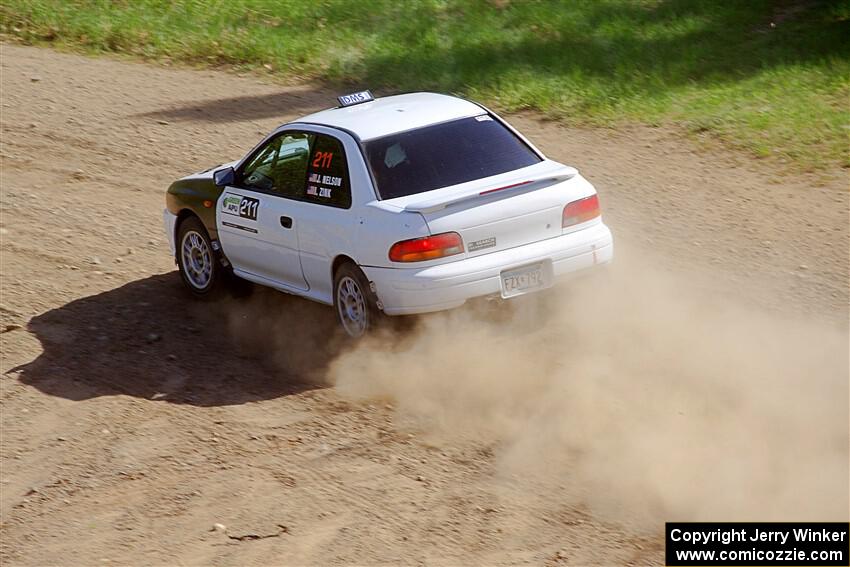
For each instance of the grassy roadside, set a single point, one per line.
(769, 76)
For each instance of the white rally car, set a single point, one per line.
(397, 205)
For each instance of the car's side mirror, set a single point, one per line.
(224, 177)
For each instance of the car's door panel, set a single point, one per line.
(323, 233)
(326, 223)
(256, 226)
(253, 239)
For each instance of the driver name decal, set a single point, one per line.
(325, 179)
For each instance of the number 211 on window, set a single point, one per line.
(322, 159)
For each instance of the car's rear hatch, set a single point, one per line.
(503, 211)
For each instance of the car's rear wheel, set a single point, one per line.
(355, 303)
(196, 259)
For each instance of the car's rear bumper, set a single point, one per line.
(404, 291)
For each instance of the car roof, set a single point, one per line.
(392, 114)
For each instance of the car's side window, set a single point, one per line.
(280, 166)
(327, 174)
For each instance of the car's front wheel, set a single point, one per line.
(196, 259)
(355, 303)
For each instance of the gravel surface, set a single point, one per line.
(141, 427)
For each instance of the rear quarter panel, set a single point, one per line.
(381, 227)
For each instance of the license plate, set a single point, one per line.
(523, 280)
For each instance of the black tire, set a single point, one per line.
(204, 275)
(357, 319)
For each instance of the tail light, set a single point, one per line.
(580, 211)
(428, 248)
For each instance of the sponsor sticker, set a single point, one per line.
(230, 204)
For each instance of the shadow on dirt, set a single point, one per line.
(250, 107)
(149, 339)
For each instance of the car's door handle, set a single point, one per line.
(286, 222)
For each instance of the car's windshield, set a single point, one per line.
(445, 154)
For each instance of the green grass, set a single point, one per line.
(708, 66)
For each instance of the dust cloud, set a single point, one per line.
(286, 332)
(637, 395)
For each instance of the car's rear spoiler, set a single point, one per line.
(538, 182)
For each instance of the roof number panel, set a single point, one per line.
(355, 98)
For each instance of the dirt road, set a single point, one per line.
(706, 379)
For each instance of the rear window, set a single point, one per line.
(445, 154)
